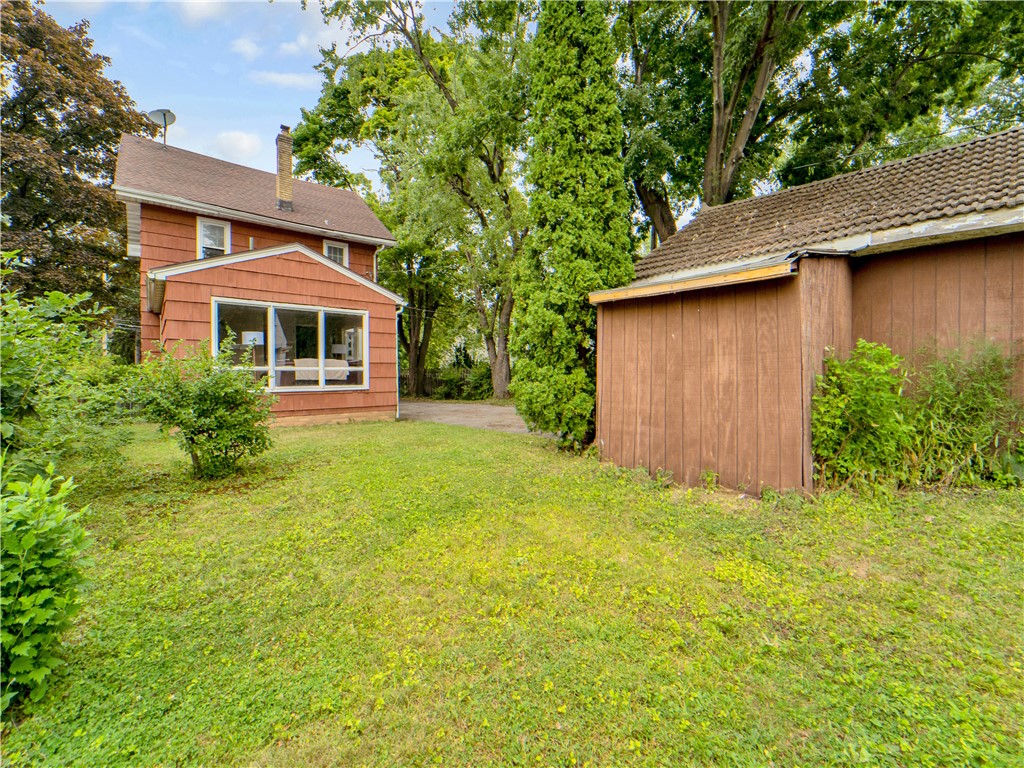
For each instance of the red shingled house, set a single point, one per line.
(289, 266)
(707, 360)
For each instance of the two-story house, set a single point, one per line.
(288, 266)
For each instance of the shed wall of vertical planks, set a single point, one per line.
(703, 381)
(721, 379)
(944, 296)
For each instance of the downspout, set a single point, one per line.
(398, 362)
(375, 252)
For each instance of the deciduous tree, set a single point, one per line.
(62, 119)
(461, 111)
(719, 98)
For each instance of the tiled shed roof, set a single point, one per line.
(150, 167)
(985, 174)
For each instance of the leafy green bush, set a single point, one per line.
(967, 424)
(40, 555)
(60, 393)
(859, 431)
(217, 411)
(448, 383)
(954, 422)
(478, 384)
(469, 381)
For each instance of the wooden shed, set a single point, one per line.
(706, 362)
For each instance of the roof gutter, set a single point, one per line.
(155, 289)
(128, 195)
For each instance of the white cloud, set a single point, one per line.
(306, 44)
(236, 146)
(195, 11)
(305, 80)
(246, 47)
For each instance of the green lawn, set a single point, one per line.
(416, 594)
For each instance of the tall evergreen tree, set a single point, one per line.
(579, 232)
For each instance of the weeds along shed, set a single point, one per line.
(707, 360)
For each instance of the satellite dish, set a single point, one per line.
(163, 118)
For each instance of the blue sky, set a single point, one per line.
(232, 71)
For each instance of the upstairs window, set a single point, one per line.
(336, 252)
(213, 238)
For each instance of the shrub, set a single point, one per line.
(478, 382)
(463, 382)
(449, 383)
(966, 421)
(859, 432)
(952, 423)
(218, 412)
(84, 414)
(60, 393)
(41, 556)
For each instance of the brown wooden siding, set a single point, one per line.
(708, 380)
(722, 378)
(826, 288)
(291, 279)
(943, 296)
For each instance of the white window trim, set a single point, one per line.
(199, 235)
(337, 244)
(271, 368)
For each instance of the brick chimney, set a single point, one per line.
(284, 169)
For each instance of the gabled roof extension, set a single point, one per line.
(156, 278)
(150, 172)
(948, 187)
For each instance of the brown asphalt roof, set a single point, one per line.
(981, 175)
(148, 166)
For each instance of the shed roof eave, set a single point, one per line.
(748, 271)
(949, 229)
(944, 229)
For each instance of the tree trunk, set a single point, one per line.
(415, 341)
(501, 366)
(501, 375)
(657, 209)
(727, 144)
(716, 141)
(496, 342)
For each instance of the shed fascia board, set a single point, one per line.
(128, 195)
(742, 274)
(155, 278)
